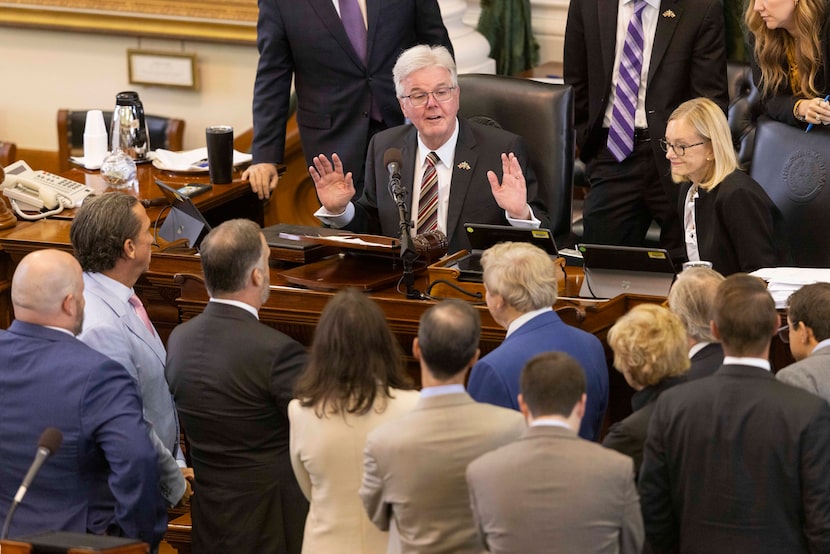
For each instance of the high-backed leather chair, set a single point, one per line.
(543, 115)
(8, 153)
(164, 132)
(794, 169)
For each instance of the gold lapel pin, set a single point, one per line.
(669, 13)
(464, 165)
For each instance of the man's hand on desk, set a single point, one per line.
(263, 178)
(334, 189)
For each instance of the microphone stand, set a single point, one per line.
(408, 253)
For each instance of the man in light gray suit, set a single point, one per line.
(111, 237)
(413, 478)
(551, 491)
(808, 319)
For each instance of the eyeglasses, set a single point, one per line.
(784, 334)
(421, 98)
(679, 149)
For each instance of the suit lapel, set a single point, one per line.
(409, 149)
(607, 25)
(331, 20)
(465, 151)
(373, 20)
(662, 36)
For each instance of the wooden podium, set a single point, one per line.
(54, 542)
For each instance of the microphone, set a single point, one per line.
(392, 159)
(50, 441)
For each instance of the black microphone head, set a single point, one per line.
(50, 439)
(392, 155)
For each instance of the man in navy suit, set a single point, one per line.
(344, 96)
(51, 379)
(521, 286)
(683, 57)
(470, 159)
(738, 462)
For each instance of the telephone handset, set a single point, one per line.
(39, 190)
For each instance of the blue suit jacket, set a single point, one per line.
(51, 379)
(112, 327)
(495, 378)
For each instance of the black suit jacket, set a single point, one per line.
(688, 60)
(780, 105)
(737, 462)
(471, 200)
(305, 39)
(706, 361)
(738, 226)
(232, 378)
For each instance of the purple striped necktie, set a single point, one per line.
(621, 131)
(352, 19)
(428, 198)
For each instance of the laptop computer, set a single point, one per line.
(184, 220)
(615, 270)
(482, 236)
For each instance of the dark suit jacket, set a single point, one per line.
(706, 362)
(306, 39)
(495, 378)
(688, 60)
(738, 226)
(780, 105)
(232, 378)
(629, 435)
(737, 462)
(471, 200)
(51, 379)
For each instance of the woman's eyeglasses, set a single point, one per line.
(679, 149)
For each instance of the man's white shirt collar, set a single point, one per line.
(755, 362)
(524, 318)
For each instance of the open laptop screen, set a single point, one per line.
(482, 236)
(615, 270)
(184, 220)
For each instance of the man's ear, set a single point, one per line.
(714, 328)
(68, 306)
(128, 251)
(416, 349)
(257, 278)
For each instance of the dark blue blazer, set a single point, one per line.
(495, 378)
(51, 379)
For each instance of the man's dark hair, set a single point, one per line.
(229, 253)
(745, 315)
(810, 305)
(551, 384)
(101, 227)
(448, 336)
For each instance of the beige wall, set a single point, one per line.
(42, 71)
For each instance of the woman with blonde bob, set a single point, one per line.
(728, 218)
(354, 381)
(789, 46)
(651, 351)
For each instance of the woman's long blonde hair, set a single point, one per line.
(772, 45)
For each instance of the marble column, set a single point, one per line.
(472, 51)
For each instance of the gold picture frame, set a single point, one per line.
(165, 69)
(232, 21)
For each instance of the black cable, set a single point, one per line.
(477, 295)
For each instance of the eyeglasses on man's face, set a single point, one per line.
(784, 334)
(421, 98)
(679, 149)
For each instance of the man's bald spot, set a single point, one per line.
(43, 279)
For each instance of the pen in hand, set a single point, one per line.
(810, 126)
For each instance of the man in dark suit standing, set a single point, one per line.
(631, 63)
(738, 462)
(340, 54)
(232, 378)
(104, 478)
(692, 299)
(464, 158)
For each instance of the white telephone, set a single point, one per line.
(39, 191)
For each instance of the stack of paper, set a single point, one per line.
(783, 281)
(190, 160)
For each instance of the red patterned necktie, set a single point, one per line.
(428, 199)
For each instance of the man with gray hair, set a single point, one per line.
(808, 322)
(692, 299)
(521, 286)
(232, 378)
(445, 162)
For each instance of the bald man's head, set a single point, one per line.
(47, 289)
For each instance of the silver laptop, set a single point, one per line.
(614, 270)
(482, 236)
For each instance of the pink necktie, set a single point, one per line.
(135, 302)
